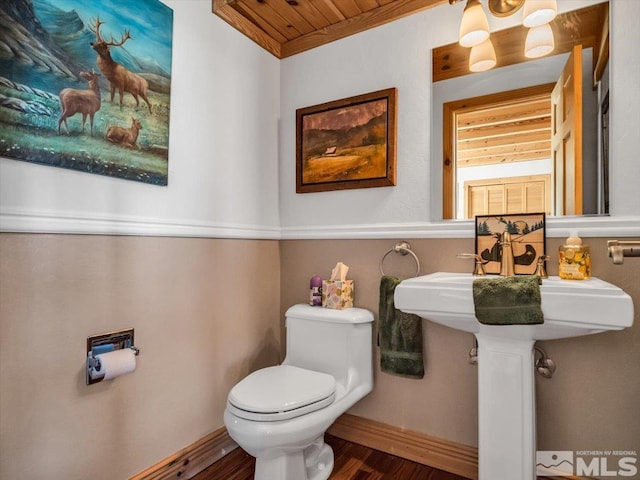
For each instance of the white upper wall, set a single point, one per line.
(232, 140)
(399, 55)
(624, 105)
(223, 157)
(393, 55)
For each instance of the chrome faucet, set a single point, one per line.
(506, 261)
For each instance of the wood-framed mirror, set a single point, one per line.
(512, 147)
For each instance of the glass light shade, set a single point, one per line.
(538, 12)
(539, 41)
(474, 28)
(482, 57)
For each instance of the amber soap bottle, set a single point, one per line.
(574, 260)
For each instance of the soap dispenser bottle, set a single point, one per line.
(574, 260)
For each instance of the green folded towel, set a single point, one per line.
(508, 300)
(399, 335)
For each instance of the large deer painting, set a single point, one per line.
(65, 65)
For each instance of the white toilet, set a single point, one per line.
(279, 414)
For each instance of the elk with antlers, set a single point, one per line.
(119, 77)
(86, 102)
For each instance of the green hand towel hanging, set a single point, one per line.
(508, 300)
(399, 335)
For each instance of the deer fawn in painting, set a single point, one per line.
(119, 77)
(86, 102)
(125, 136)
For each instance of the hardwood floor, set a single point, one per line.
(352, 462)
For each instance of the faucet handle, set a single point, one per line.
(541, 270)
(478, 268)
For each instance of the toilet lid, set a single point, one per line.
(284, 391)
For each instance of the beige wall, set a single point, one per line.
(204, 316)
(590, 404)
(207, 312)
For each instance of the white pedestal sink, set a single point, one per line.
(506, 396)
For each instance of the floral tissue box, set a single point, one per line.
(337, 294)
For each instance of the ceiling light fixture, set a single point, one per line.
(539, 41)
(482, 57)
(474, 28)
(539, 12)
(504, 8)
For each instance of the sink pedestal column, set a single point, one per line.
(506, 409)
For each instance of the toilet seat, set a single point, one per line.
(281, 393)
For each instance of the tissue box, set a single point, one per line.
(337, 294)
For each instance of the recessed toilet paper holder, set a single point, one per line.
(103, 343)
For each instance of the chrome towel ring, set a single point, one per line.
(402, 248)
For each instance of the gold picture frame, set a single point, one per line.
(348, 143)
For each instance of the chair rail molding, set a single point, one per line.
(47, 221)
(15, 220)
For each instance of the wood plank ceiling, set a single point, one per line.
(288, 27)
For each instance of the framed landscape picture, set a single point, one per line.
(528, 240)
(349, 143)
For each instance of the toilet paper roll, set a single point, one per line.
(116, 363)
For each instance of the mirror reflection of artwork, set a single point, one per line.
(528, 240)
(86, 86)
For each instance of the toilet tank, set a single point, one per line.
(337, 342)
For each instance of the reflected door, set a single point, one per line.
(566, 140)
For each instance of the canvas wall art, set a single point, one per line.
(348, 143)
(86, 85)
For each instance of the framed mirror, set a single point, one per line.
(496, 146)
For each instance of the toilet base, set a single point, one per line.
(322, 465)
(313, 463)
